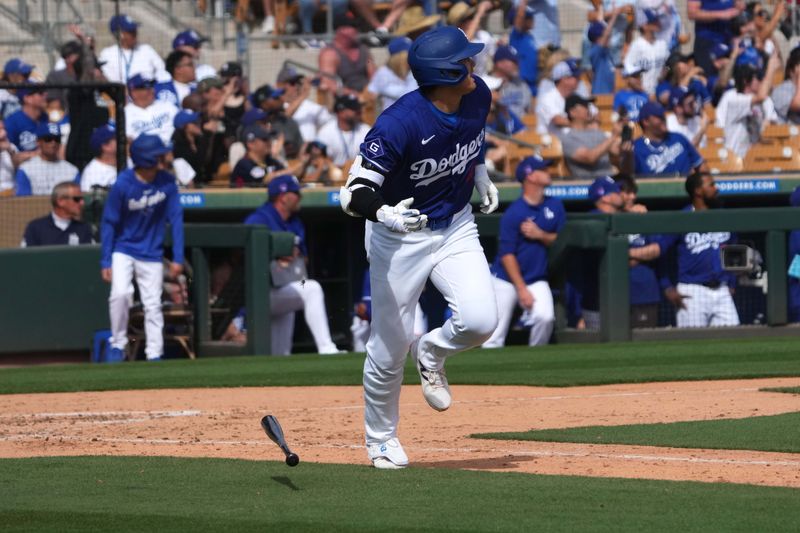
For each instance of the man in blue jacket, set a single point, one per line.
(141, 202)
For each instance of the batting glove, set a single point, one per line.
(490, 198)
(401, 218)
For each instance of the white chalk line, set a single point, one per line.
(509, 453)
(94, 414)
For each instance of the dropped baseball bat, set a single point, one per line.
(275, 433)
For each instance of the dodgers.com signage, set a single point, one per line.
(568, 192)
(744, 186)
(193, 199)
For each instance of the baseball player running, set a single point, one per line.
(138, 207)
(426, 150)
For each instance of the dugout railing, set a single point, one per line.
(607, 235)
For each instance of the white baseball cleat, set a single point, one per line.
(388, 455)
(434, 382)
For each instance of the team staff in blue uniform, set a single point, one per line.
(139, 206)
(527, 229)
(703, 295)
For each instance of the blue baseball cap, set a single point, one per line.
(650, 16)
(101, 136)
(122, 23)
(17, 66)
(601, 187)
(140, 82)
(750, 57)
(506, 52)
(48, 129)
(794, 199)
(188, 38)
(595, 30)
(651, 109)
(677, 95)
(283, 184)
(720, 50)
(264, 93)
(399, 44)
(252, 115)
(184, 117)
(531, 164)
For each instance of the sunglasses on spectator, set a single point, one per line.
(50, 138)
(76, 199)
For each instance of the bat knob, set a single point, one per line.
(292, 459)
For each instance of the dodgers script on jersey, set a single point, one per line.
(428, 155)
(134, 217)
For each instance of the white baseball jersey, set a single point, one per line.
(155, 119)
(342, 145)
(742, 120)
(650, 57)
(311, 117)
(98, 174)
(121, 64)
(688, 130)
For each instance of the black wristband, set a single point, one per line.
(366, 201)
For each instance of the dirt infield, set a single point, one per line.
(325, 424)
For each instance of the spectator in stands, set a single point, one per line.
(416, 20)
(622, 26)
(659, 152)
(786, 96)
(7, 152)
(318, 167)
(550, 113)
(501, 119)
(235, 92)
(56, 114)
(71, 53)
(528, 228)
(145, 114)
(270, 100)
(280, 214)
(343, 135)
(190, 41)
(600, 54)
(647, 52)
(22, 124)
(744, 112)
(587, 150)
(189, 149)
(521, 38)
(63, 226)
(219, 134)
(128, 57)
(181, 68)
(347, 60)
(394, 79)
(669, 21)
(102, 170)
(546, 29)
(680, 71)
(258, 166)
(515, 92)
(794, 268)
(14, 71)
(765, 24)
(308, 114)
(628, 102)
(712, 26)
(721, 81)
(629, 190)
(703, 295)
(686, 117)
(38, 175)
(469, 19)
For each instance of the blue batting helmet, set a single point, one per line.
(436, 55)
(146, 149)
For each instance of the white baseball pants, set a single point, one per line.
(150, 279)
(542, 313)
(400, 264)
(285, 301)
(706, 307)
(360, 329)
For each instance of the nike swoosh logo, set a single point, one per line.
(426, 141)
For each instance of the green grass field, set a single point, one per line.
(557, 366)
(777, 433)
(147, 494)
(169, 494)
